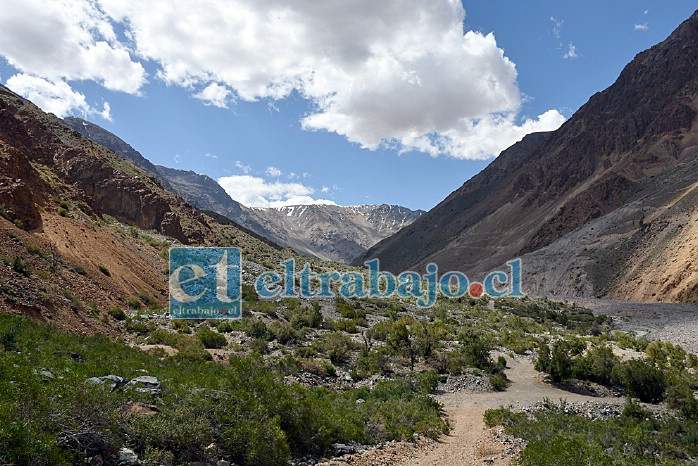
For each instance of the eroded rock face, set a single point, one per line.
(41, 158)
(629, 153)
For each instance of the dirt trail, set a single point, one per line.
(470, 442)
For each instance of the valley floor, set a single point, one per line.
(470, 442)
(675, 323)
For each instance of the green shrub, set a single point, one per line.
(139, 326)
(210, 338)
(500, 417)
(259, 345)
(134, 303)
(641, 379)
(35, 249)
(498, 382)
(302, 317)
(148, 300)
(596, 365)
(181, 325)
(225, 327)
(344, 325)
(680, 397)
(501, 362)
(117, 313)
(284, 333)
(103, 268)
(337, 346)
(256, 328)
(19, 266)
(556, 362)
(243, 408)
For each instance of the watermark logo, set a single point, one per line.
(206, 283)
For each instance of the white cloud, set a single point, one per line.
(490, 135)
(641, 27)
(55, 97)
(211, 156)
(242, 167)
(273, 172)
(214, 94)
(325, 190)
(53, 43)
(67, 40)
(557, 27)
(571, 51)
(378, 73)
(396, 72)
(106, 111)
(253, 191)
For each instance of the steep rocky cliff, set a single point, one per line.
(626, 159)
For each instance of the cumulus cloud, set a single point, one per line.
(55, 97)
(378, 73)
(53, 43)
(253, 191)
(641, 27)
(397, 73)
(106, 111)
(214, 94)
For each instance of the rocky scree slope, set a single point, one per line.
(604, 206)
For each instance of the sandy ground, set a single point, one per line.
(472, 443)
(676, 323)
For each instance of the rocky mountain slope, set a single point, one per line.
(82, 230)
(322, 231)
(604, 206)
(333, 232)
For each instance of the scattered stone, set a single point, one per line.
(146, 384)
(343, 449)
(127, 457)
(111, 380)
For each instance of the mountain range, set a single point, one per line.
(327, 232)
(606, 205)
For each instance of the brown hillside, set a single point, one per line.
(630, 144)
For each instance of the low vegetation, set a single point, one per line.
(50, 414)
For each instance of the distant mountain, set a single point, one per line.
(323, 231)
(334, 232)
(326, 232)
(607, 205)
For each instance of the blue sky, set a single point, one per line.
(351, 102)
